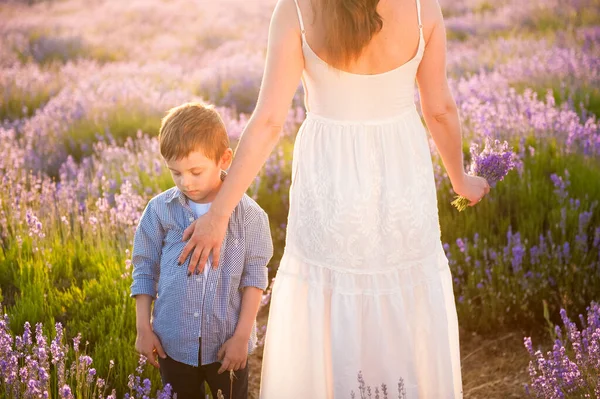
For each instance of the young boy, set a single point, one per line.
(198, 319)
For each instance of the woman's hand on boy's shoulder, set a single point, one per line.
(203, 236)
(233, 354)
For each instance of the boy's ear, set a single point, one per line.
(226, 159)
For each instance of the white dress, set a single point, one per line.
(364, 283)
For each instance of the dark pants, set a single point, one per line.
(188, 381)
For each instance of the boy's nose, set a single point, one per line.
(185, 182)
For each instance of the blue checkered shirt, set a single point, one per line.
(179, 307)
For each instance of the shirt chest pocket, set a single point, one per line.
(173, 235)
(233, 257)
(171, 250)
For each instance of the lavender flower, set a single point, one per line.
(76, 342)
(555, 375)
(366, 392)
(35, 226)
(493, 164)
(65, 392)
(26, 367)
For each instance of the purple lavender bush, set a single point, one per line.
(32, 367)
(572, 368)
(493, 164)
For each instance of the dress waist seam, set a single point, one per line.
(398, 265)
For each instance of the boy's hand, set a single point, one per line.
(148, 345)
(234, 354)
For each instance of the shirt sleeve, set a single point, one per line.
(259, 251)
(147, 247)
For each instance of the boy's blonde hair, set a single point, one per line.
(192, 127)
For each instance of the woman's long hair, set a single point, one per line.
(349, 27)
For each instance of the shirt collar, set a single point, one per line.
(176, 193)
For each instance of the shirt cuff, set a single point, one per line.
(260, 282)
(143, 287)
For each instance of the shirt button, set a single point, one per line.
(191, 219)
(196, 314)
(198, 279)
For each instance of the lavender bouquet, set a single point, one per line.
(493, 163)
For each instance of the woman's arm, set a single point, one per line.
(439, 108)
(437, 103)
(282, 74)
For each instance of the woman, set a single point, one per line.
(364, 284)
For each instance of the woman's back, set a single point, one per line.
(394, 45)
(379, 84)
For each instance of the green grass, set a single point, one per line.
(552, 20)
(527, 204)
(80, 283)
(542, 22)
(77, 276)
(22, 105)
(484, 7)
(583, 96)
(457, 35)
(525, 200)
(51, 47)
(121, 123)
(83, 282)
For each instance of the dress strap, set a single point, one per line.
(301, 21)
(418, 15)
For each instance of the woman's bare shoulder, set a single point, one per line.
(431, 16)
(285, 17)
